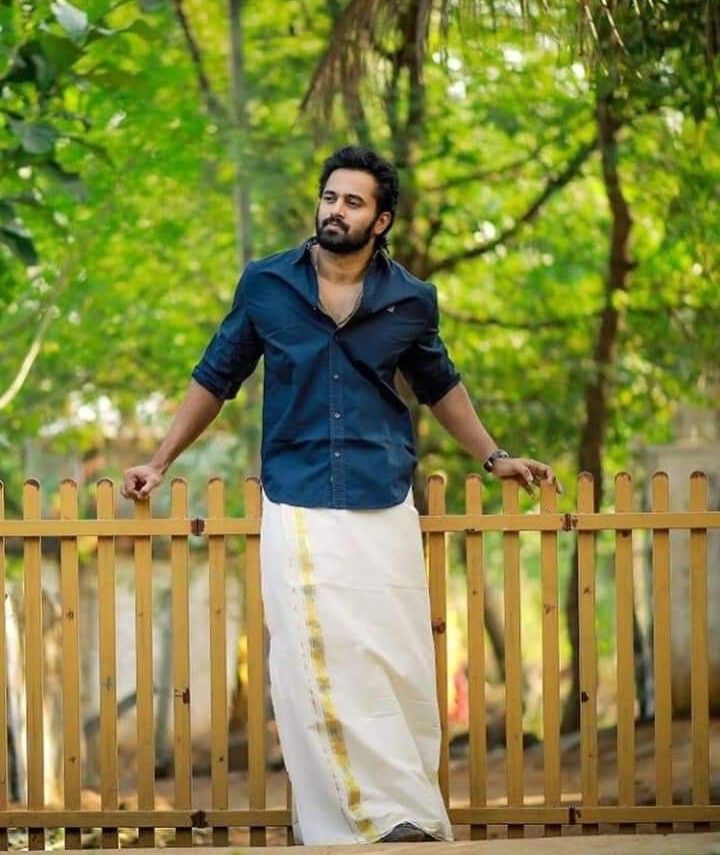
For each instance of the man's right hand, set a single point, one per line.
(139, 481)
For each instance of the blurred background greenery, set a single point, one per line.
(560, 168)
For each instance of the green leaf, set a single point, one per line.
(36, 137)
(19, 242)
(142, 29)
(73, 20)
(70, 180)
(7, 212)
(152, 5)
(60, 52)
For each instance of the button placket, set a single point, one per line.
(337, 427)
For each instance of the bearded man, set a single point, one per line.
(344, 585)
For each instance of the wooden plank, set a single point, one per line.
(147, 819)
(476, 655)
(701, 520)
(256, 663)
(517, 816)
(3, 682)
(513, 657)
(624, 610)
(492, 522)
(218, 662)
(550, 656)
(180, 589)
(33, 663)
(144, 674)
(648, 813)
(279, 817)
(662, 654)
(588, 648)
(107, 629)
(699, 670)
(95, 528)
(70, 600)
(436, 558)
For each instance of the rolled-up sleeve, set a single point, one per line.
(426, 364)
(234, 350)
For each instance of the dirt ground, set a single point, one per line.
(533, 780)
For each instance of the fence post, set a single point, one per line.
(513, 659)
(438, 615)
(32, 597)
(476, 655)
(699, 680)
(107, 629)
(218, 662)
(180, 616)
(550, 657)
(588, 652)
(3, 682)
(70, 598)
(144, 674)
(662, 649)
(625, 614)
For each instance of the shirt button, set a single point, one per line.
(336, 376)
(337, 415)
(337, 454)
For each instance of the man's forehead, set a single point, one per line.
(352, 181)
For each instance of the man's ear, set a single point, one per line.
(382, 223)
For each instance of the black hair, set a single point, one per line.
(367, 160)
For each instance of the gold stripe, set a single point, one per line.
(333, 727)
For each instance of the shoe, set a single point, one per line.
(406, 832)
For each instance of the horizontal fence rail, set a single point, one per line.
(502, 546)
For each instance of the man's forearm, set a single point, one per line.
(457, 415)
(194, 414)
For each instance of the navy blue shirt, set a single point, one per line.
(336, 433)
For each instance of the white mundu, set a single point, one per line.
(352, 670)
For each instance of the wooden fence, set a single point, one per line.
(552, 810)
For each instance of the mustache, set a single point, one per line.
(333, 221)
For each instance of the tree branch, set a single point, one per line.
(215, 108)
(552, 185)
(25, 367)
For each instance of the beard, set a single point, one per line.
(342, 241)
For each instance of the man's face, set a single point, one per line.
(346, 219)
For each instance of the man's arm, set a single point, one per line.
(194, 414)
(457, 415)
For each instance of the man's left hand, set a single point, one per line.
(526, 472)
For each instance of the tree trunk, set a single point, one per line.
(598, 387)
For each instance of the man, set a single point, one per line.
(344, 587)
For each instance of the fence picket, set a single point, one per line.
(662, 651)
(588, 652)
(256, 664)
(437, 558)
(3, 682)
(70, 599)
(107, 629)
(476, 655)
(513, 658)
(699, 671)
(180, 589)
(144, 674)
(550, 657)
(625, 613)
(218, 662)
(33, 663)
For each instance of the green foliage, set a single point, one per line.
(119, 252)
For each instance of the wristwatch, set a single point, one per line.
(498, 454)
